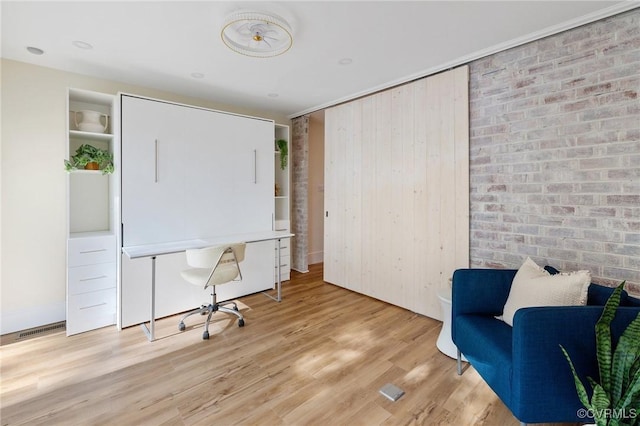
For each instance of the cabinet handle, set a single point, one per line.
(255, 166)
(93, 278)
(155, 179)
(93, 251)
(93, 306)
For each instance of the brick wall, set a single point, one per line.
(555, 152)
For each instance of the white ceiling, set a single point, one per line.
(160, 44)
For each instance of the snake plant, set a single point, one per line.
(616, 399)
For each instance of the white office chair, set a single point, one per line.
(213, 266)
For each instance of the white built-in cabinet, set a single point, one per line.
(181, 172)
(282, 208)
(397, 191)
(191, 173)
(92, 216)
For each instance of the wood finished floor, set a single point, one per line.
(317, 358)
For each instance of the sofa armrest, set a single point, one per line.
(541, 378)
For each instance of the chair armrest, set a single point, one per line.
(480, 291)
(541, 378)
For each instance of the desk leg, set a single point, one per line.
(151, 330)
(279, 273)
(278, 298)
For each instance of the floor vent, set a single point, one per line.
(32, 333)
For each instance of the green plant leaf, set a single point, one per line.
(600, 404)
(282, 147)
(603, 338)
(580, 389)
(86, 154)
(625, 357)
(600, 399)
(632, 394)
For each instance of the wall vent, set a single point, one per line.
(32, 333)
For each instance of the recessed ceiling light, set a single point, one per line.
(272, 95)
(345, 61)
(35, 50)
(197, 75)
(82, 45)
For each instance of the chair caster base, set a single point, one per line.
(240, 323)
(205, 335)
(181, 326)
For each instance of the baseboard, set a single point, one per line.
(31, 317)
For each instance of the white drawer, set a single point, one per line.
(285, 250)
(285, 276)
(83, 279)
(284, 262)
(91, 250)
(89, 311)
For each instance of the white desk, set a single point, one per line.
(154, 250)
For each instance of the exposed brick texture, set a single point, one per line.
(555, 152)
(300, 193)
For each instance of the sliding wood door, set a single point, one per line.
(397, 191)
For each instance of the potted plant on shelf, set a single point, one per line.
(618, 393)
(282, 148)
(89, 157)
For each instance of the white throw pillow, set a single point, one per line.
(533, 286)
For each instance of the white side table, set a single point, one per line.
(444, 343)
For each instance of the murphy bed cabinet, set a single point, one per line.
(187, 173)
(91, 243)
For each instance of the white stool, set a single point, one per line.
(444, 343)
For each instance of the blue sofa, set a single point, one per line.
(524, 365)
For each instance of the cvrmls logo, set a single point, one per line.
(608, 413)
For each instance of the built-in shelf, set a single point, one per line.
(89, 234)
(89, 172)
(281, 201)
(91, 136)
(92, 241)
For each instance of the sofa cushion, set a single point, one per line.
(534, 286)
(599, 294)
(631, 301)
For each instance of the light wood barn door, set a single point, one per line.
(397, 191)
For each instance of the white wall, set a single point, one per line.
(33, 186)
(316, 188)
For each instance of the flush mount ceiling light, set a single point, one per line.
(256, 34)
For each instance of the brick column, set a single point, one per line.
(299, 194)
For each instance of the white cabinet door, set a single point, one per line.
(191, 173)
(152, 179)
(229, 175)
